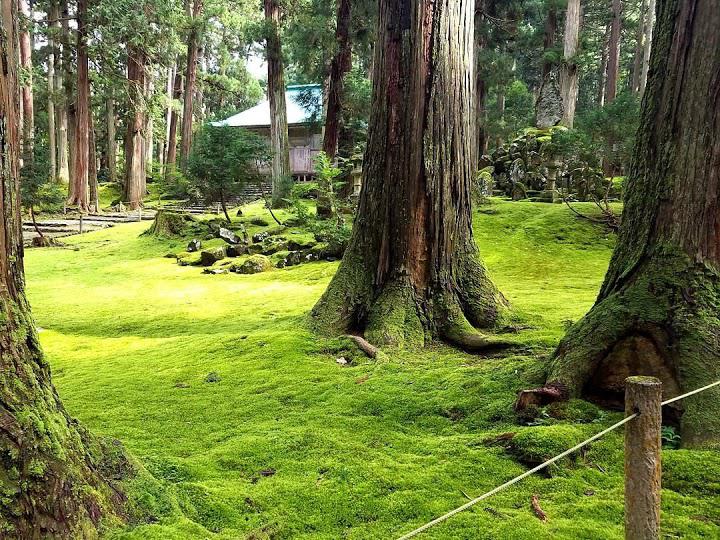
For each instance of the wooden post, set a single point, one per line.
(643, 453)
(81, 224)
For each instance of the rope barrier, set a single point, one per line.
(542, 466)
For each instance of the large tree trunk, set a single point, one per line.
(49, 463)
(171, 157)
(639, 48)
(340, 66)
(193, 9)
(647, 45)
(28, 108)
(279, 142)
(135, 138)
(79, 195)
(412, 271)
(613, 58)
(657, 311)
(569, 72)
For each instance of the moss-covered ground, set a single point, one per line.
(256, 431)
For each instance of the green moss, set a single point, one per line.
(535, 445)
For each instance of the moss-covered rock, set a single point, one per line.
(210, 256)
(537, 444)
(189, 259)
(253, 265)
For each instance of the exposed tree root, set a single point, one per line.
(364, 346)
(540, 397)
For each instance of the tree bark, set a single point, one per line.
(194, 10)
(613, 59)
(135, 175)
(69, 88)
(657, 310)
(79, 195)
(279, 141)
(171, 158)
(569, 71)
(51, 484)
(149, 121)
(412, 271)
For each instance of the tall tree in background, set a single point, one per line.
(111, 136)
(135, 176)
(28, 108)
(412, 270)
(569, 72)
(171, 157)
(648, 26)
(60, 55)
(279, 141)
(613, 57)
(79, 191)
(52, 127)
(657, 310)
(193, 10)
(339, 67)
(49, 463)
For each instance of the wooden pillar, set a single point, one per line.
(643, 453)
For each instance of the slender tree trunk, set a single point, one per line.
(28, 108)
(79, 194)
(549, 38)
(639, 48)
(50, 463)
(150, 124)
(69, 88)
(61, 120)
(52, 128)
(168, 115)
(340, 66)
(657, 310)
(603, 67)
(171, 158)
(194, 10)
(481, 89)
(135, 139)
(412, 270)
(111, 118)
(648, 39)
(569, 72)
(613, 62)
(279, 141)
(93, 187)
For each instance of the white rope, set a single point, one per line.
(544, 465)
(708, 387)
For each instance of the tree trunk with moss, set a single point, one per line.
(135, 178)
(51, 484)
(657, 312)
(412, 271)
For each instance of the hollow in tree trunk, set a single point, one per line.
(280, 165)
(48, 462)
(412, 271)
(657, 312)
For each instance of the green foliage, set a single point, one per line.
(223, 160)
(39, 192)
